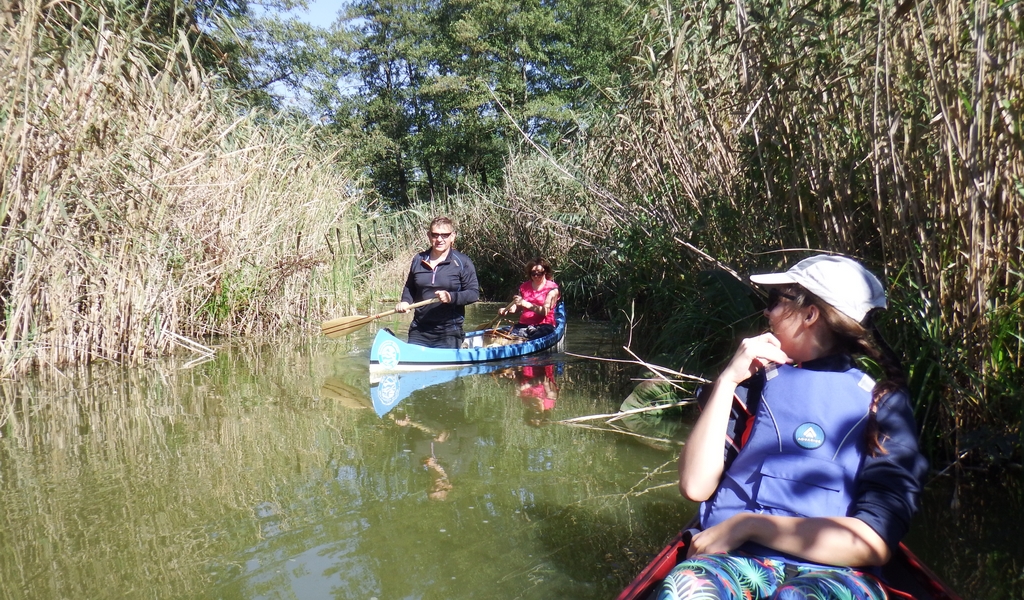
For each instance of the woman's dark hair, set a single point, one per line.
(538, 262)
(857, 338)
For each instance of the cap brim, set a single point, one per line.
(772, 279)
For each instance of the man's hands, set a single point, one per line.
(444, 296)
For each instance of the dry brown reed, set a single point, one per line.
(888, 131)
(541, 210)
(141, 209)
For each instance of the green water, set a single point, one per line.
(266, 473)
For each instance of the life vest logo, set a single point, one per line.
(809, 436)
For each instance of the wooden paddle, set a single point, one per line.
(491, 324)
(342, 326)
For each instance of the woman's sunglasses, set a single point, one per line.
(775, 295)
(537, 272)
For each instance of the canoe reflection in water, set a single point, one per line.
(535, 386)
(388, 390)
(386, 393)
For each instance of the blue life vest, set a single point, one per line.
(804, 451)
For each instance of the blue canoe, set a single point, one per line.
(392, 354)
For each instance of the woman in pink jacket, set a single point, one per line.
(537, 298)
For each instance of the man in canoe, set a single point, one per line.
(445, 273)
(821, 471)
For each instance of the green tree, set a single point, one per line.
(391, 64)
(437, 77)
(264, 53)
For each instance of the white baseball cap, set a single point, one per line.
(841, 282)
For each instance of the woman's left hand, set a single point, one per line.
(840, 541)
(724, 537)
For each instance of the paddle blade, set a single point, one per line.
(342, 326)
(336, 328)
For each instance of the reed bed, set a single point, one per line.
(888, 131)
(142, 210)
(542, 209)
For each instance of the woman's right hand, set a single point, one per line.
(753, 354)
(701, 461)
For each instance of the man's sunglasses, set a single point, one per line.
(775, 295)
(440, 235)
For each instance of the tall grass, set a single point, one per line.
(888, 131)
(141, 209)
(540, 210)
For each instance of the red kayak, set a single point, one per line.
(907, 577)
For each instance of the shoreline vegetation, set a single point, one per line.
(143, 211)
(146, 209)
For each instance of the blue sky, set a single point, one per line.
(321, 12)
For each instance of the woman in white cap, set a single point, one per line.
(821, 469)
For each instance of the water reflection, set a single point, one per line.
(267, 472)
(536, 388)
(336, 389)
(534, 383)
(390, 389)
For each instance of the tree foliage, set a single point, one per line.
(446, 86)
(433, 93)
(269, 54)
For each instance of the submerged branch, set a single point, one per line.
(650, 475)
(624, 432)
(655, 368)
(623, 413)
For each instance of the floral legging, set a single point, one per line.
(740, 576)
